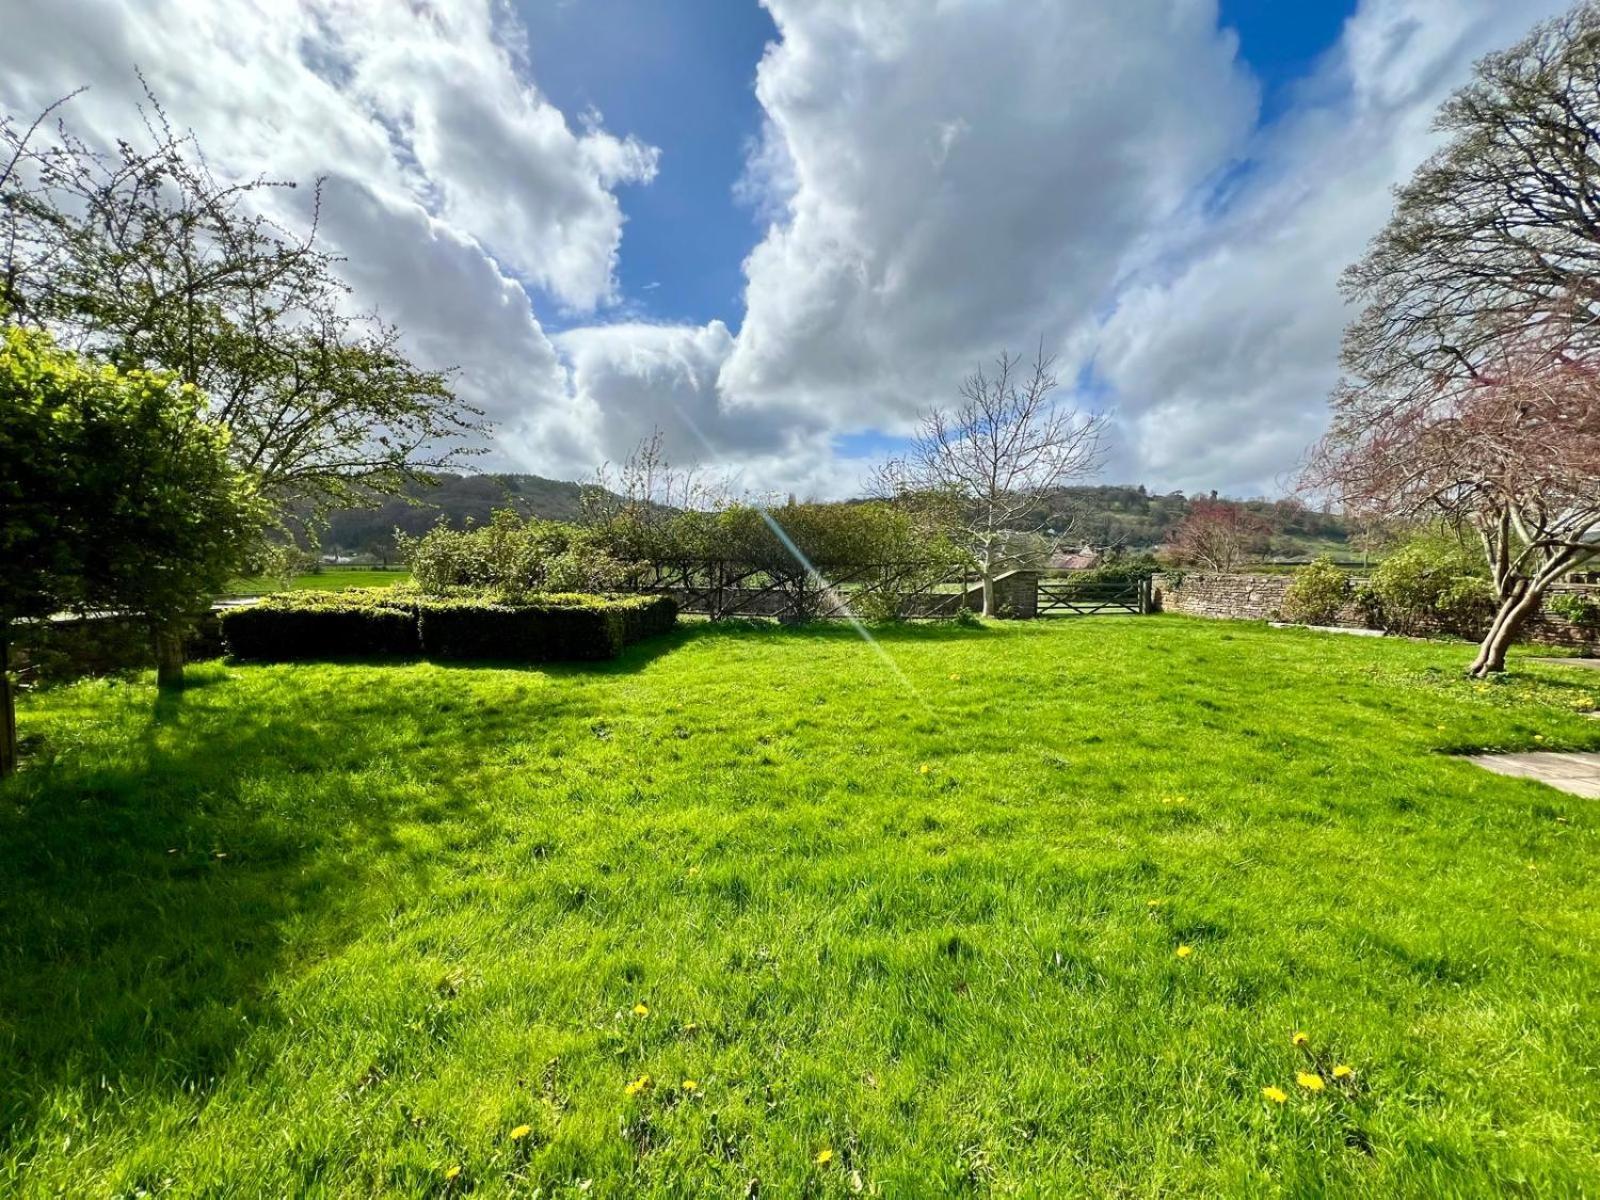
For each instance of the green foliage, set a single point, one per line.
(1425, 585)
(378, 622)
(1316, 594)
(355, 623)
(143, 256)
(553, 628)
(336, 930)
(509, 555)
(116, 491)
(1581, 608)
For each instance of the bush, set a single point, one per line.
(353, 623)
(1467, 605)
(374, 622)
(1423, 586)
(551, 629)
(1317, 593)
(1582, 610)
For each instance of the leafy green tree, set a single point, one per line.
(145, 259)
(117, 493)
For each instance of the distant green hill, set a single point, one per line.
(456, 499)
(1129, 516)
(1135, 518)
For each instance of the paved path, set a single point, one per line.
(1575, 773)
(1592, 663)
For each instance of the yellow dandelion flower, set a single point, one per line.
(1312, 1083)
(1300, 1039)
(924, 769)
(954, 676)
(1276, 1094)
(1153, 903)
(452, 1173)
(692, 1027)
(1184, 951)
(824, 1157)
(1342, 1072)
(1440, 728)
(641, 1009)
(520, 1132)
(690, 1085)
(1538, 737)
(637, 1085)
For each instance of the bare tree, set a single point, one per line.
(1495, 237)
(1218, 535)
(1513, 455)
(983, 466)
(1469, 372)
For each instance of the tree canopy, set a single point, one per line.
(143, 258)
(117, 492)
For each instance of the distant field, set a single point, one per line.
(327, 580)
(1031, 909)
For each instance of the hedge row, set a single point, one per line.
(377, 622)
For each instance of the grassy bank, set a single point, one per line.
(1035, 910)
(329, 579)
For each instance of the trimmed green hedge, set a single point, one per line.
(551, 629)
(379, 622)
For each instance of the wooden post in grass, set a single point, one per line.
(8, 709)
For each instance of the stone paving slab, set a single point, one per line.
(1592, 664)
(1575, 773)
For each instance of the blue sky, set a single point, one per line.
(680, 75)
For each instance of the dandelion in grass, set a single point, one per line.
(520, 1132)
(1153, 903)
(1342, 1072)
(637, 1085)
(1300, 1039)
(1312, 1083)
(1184, 951)
(954, 678)
(451, 1174)
(689, 1085)
(1538, 737)
(692, 1027)
(824, 1157)
(641, 1009)
(1276, 1094)
(924, 769)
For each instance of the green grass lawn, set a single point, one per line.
(750, 905)
(326, 580)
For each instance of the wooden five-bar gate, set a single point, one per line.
(1088, 598)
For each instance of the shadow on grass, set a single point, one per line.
(153, 867)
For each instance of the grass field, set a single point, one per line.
(1040, 917)
(326, 580)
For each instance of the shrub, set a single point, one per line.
(353, 623)
(1420, 586)
(1582, 610)
(1317, 593)
(1467, 605)
(358, 623)
(550, 629)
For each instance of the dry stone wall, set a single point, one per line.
(1260, 598)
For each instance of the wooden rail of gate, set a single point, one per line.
(1090, 598)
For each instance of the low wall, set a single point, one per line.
(1260, 598)
(1016, 595)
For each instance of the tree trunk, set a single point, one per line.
(1514, 612)
(169, 656)
(988, 592)
(8, 710)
